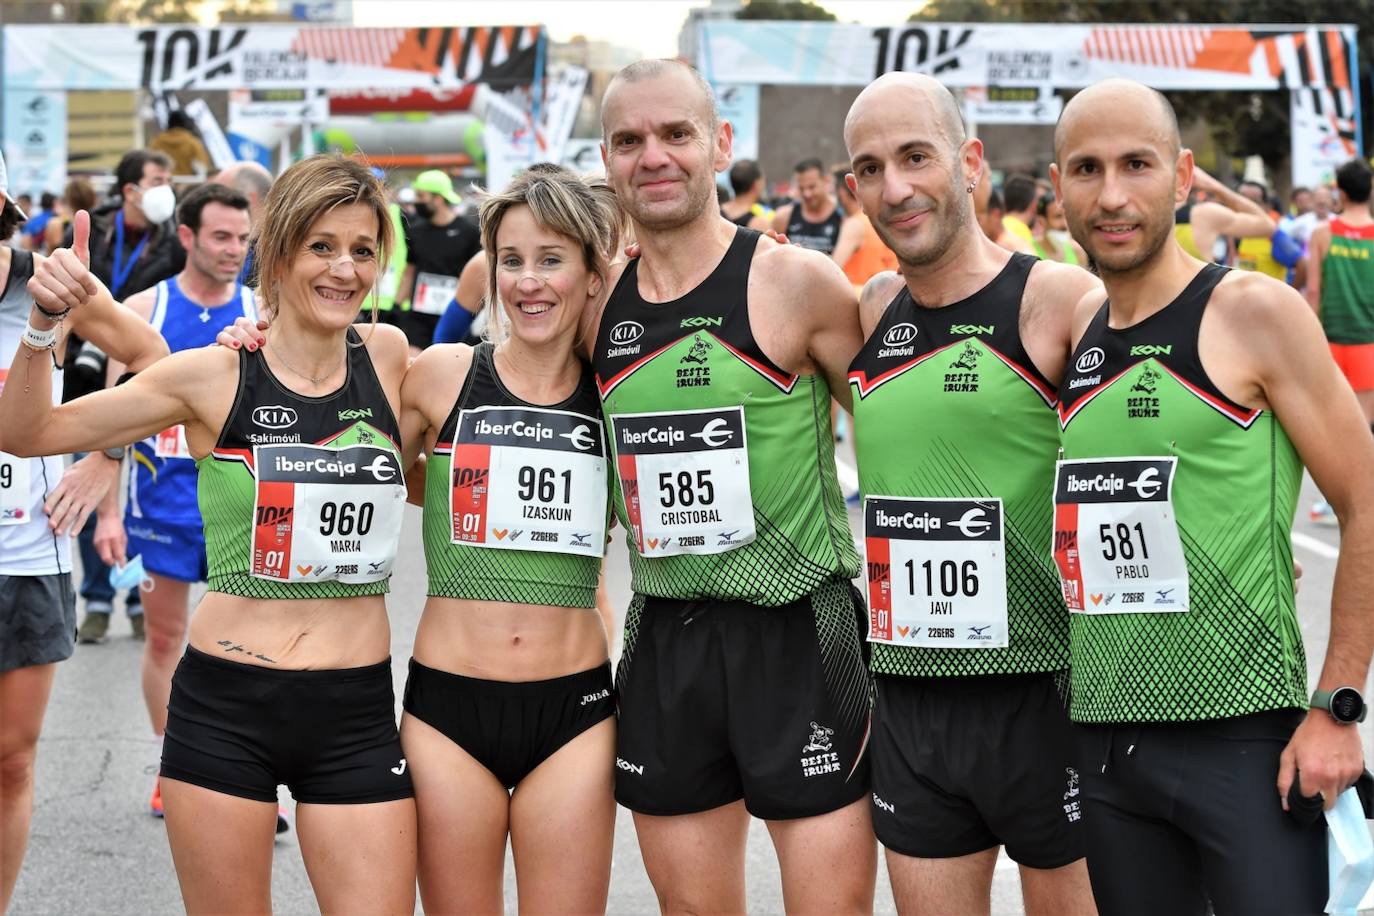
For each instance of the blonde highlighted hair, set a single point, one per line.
(584, 211)
(304, 193)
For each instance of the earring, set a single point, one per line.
(971, 186)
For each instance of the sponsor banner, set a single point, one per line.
(372, 101)
(35, 133)
(1323, 132)
(245, 110)
(562, 101)
(739, 104)
(583, 156)
(1011, 105)
(267, 56)
(216, 143)
(1020, 54)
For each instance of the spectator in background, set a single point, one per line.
(1051, 237)
(181, 143)
(36, 227)
(813, 220)
(439, 243)
(746, 207)
(253, 181)
(1019, 194)
(1255, 251)
(859, 250)
(78, 195)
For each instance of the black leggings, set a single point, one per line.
(1180, 815)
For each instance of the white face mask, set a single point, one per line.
(159, 203)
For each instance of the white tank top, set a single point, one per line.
(27, 546)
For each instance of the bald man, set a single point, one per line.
(742, 688)
(1193, 398)
(954, 393)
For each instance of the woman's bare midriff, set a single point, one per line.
(313, 634)
(499, 641)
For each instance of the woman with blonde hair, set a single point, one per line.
(286, 679)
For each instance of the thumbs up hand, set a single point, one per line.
(63, 281)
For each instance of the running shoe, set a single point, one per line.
(1323, 514)
(94, 627)
(155, 803)
(283, 825)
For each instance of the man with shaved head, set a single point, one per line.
(955, 434)
(742, 687)
(1194, 396)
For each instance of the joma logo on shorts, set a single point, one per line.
(623, 764)
(599, 695)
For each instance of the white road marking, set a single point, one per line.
(1319, 547)
(848, 476)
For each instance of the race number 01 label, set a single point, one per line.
(937, 572)
(325, 513)
(528, 479)
(1116, 539)
(171, 443)
(684, 478)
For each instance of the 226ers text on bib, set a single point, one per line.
(326, 513)
(937, 572)
(526, 478)
(685, 480)
(1116, 540)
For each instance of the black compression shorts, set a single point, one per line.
(329, 736)
(1180, 814)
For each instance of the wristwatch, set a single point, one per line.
(116, 453)
(1345, 704)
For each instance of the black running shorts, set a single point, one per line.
(37, 620)
(509, 727)
(723, 700)
(1180, 815)
(329, 736)
(963, 764)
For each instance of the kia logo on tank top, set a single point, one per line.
(900, 334)
(274, 417)
(626, 332)
(1090, 360)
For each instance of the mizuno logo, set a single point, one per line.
(1152, 350)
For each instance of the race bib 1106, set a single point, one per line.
(1116, 540)
(527, 478)
(326, 513)
(684, 478)
(937, 572)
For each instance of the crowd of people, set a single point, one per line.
(1079, 433)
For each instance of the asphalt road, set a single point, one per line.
(94, 848)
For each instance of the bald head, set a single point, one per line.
(250, 179)
(665, 68)
(912, 94)
(1145, 107)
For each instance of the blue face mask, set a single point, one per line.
(1350, 855)
(130, 575)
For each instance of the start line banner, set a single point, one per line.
(1166, 57)
(162, 58)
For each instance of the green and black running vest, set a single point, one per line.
(948, 406)
(302, 497)
(485, 417)
(1347, 307)
(725, 463)
(1175, 555)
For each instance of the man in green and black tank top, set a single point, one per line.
(742, 687)
(1193, 397)
(955, 434)
(1340, 281)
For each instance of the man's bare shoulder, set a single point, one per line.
(1054, 285)
(1257, 306)
(881, 289)
(142, 304)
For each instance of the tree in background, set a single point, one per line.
(785, 9)
(1241, 123)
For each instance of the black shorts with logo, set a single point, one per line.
(37, 620)
(723, 700)
(510, 727)
(330, 736)
(964, 764)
